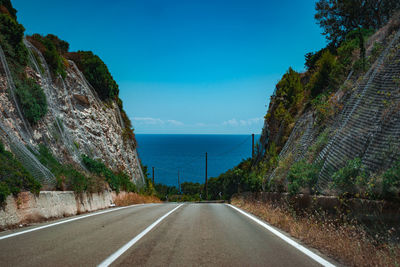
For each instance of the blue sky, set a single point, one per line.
(186, 66)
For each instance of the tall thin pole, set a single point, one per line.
(206, 178)
(153, 175)
(252, 146)
(179, 184)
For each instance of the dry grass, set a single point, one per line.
(125, 199)
(345, 242)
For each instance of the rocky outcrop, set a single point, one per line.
(77, 122)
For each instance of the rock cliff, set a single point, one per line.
(77, 121)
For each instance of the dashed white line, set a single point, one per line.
(288, 240)
(124, 248)
(66, 221)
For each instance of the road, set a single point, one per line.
(173, 234)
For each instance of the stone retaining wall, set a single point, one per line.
(27, 207)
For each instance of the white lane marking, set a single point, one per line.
(286, 239)
(69, 220)
(125, 247)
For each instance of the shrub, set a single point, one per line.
(325, 107)
(51, 47)
(320, 143)
(11, 36)
(96, 72)
(14, 177)
(7, 8)
(67, 176)
(321, 79)
(32, 99)
(302, 175)
(346, 179)
(189, 188)
(312, 58)
(289, 90)
(117, 181)
(4, 193)
(164, 190)
(391, 182)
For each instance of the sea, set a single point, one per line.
(186, 154)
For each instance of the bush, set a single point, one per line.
(11, 35)
(302, 175)
(14, 178)
(321, 79)
(289, 90)
(346, 179)
(117, 181)
(391, 182)
(7, 8)
(164, 190)
(4, 193)
(67, 176)
(52, 48)
(312, 58)
(318, 146)
(189, 188)
(96, 72)
(32, 99)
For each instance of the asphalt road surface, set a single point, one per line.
(191, 234)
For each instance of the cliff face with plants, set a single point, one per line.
(61, 109)
(335, 129)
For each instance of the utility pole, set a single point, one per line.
(206, 179)
(179, 184)
(153, 175)
(252, 146)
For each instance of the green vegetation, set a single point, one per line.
(337, 18)
(14, 177)
(127, 131)
(354, 181)
(29, 95)
(52, 49)
(96, 72)
(345, 179)
(12, 34)
(321, 80)
(391, 182)
(70, 178)
(32, 99)
(117, 181)
(164, 191)
(67, 176)
(302, 175)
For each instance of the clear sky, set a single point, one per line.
(186, 66)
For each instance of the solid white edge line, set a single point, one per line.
(125, 247)
(66, 221)
(288, 240)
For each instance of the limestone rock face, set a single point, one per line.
(77, 121)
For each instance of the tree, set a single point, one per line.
(321, 80)
(339, 17)
(6, 7)
(96, 72)
(290, 89)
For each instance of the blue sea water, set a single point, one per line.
(168, 153)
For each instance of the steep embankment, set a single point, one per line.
(352, 125)
(45, 100)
